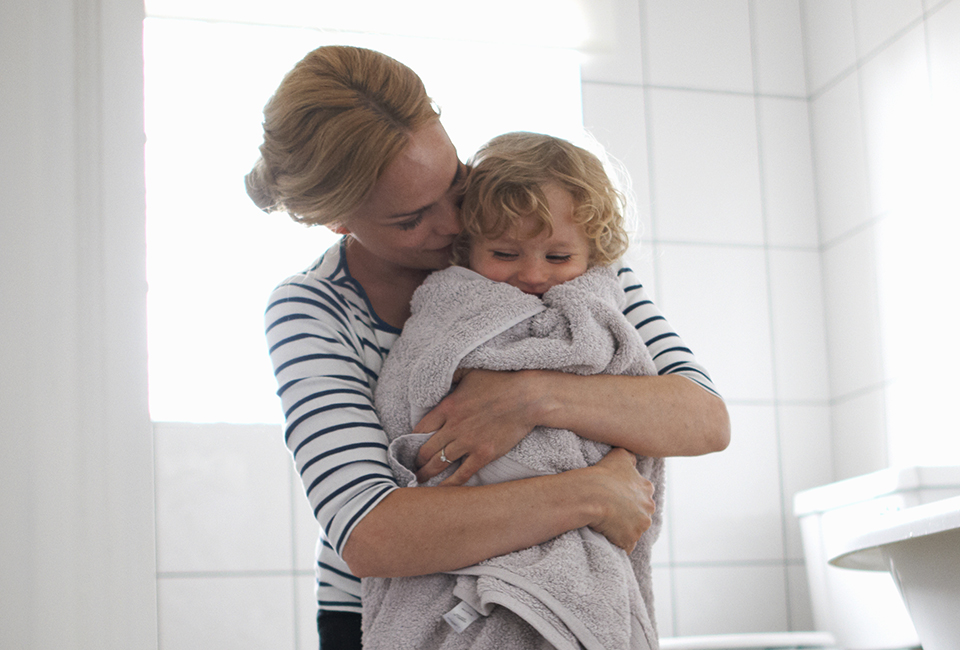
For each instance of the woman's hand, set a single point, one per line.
(481, 420)
(628, 498)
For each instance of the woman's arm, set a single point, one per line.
(677, 413)
(438, 529)
(324, 351)
(490, 412)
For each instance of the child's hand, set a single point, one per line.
(485, 416)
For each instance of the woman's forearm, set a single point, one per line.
(417, 531)
(651, 416)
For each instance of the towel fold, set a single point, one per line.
(576, 590)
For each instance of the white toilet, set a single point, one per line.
(862, 609)
(852, 610)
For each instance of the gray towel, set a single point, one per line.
(576, 590)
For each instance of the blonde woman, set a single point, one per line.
(353, 142)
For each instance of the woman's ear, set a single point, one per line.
(338, 228)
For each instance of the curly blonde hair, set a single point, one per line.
(338, 118)
(506, 186)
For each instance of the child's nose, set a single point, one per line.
(533, 273)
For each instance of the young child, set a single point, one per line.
(541, 224)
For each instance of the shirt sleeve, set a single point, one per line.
(670, 354)
(326, 372)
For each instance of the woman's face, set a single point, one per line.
(410, 218)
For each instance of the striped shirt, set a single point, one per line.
(327, 346)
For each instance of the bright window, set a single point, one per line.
(213, 257)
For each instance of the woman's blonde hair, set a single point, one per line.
(335, 122)
(506, 186)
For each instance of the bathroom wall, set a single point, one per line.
(884, 83)
(706, 104)
(76, 488)
(758, 140)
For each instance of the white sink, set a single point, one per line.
(920, 546)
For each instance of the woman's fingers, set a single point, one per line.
(629, 505)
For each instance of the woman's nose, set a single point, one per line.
(449, 222)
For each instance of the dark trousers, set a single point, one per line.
(339, 630)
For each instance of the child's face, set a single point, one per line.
(535, 264)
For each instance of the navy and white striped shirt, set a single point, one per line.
(327, 346)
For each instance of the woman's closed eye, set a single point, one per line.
(411, 223)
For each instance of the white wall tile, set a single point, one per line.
(728, 600)
(699, 44)
(806, 461)
(798, 599)
(778, 40)
(789, 196)
(226, 613)
(706, 180)
(828, 40)
(642, 258)
(223, 498)
(943, 34)
(726, 507)
(799, 337)
(859, 435)
(662, 555)
(614, 115)
(898, 120)
(840, 159)
(930, 5)
(854, 344)
(307, 636)
(876, 21)
(617, 56)
(716, 298)
(663, 600)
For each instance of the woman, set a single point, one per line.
(352, 141)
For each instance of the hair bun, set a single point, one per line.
(261, 187)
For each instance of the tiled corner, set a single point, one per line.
(789, 197)
(829, 41)
(715, 297)
(226, 613)
(877, 21)
(726, 507)
(799, 337)
(859, 435)
(706, 176)
(778, 39)
(223, 498)
(699, 44)
(614, 115)
(729, 599)
(897, 117)
(854, 344)
(839, 159)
